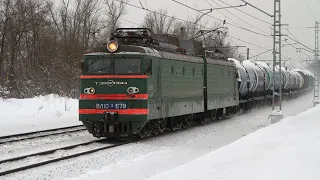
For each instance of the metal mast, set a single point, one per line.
(277, 93)
(317, 68)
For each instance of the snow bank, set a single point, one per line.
(286, 150)
(38, 113)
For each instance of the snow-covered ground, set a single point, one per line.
(286, 150)
(156, 155)
(39, 113)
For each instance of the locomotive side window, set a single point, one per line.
(148, 67)
(127, 66)
(102, 66)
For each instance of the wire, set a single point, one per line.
(252, 16)
(235, 16)
(146, 9)
(301, 27)
(248, 13)
(247, 42)
(296, 40)
(221, 20)
(261, 53)
(186, 21)
(299, 51)
(310, 10)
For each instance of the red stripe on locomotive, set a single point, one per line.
(113, 96)
(113, 77)
(119, 111)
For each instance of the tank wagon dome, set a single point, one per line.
(257, 75)
(288, 79)
(300, 79)
(268, 75)
(243, 77)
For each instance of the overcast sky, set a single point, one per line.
(294, 12)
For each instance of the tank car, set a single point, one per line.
(269, 75)
(258, 77)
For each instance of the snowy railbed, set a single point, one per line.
(38, 113)
(156, 155)
(286, 150)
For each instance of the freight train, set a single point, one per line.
(141, 84)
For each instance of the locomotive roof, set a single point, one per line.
(131, 49)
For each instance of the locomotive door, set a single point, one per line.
(157, 88)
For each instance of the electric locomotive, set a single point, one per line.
(138, 84)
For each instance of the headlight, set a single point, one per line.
(133, 90)
(112, 46)
(89, 90)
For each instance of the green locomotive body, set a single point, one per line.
(136, 90)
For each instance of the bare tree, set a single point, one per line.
(159, 22)
(114, 12)
(41, 46)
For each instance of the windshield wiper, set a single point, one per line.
(93, 62)
(103, 69)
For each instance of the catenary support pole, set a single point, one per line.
(317, 68)
(277, 114)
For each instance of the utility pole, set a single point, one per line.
(317, 68)
(248, 53)
(277, 114)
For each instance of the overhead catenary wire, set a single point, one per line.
(145, 9)
(298, 52)
(247, 13)
(247, 42)
(234, 16)
(296, 40)
(222, 20)
(310, 10)
(250, 15)
(261, 53)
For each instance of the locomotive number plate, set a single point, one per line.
(111, 105)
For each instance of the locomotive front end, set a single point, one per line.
(114, 100)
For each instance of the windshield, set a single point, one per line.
(127, 66)
(99, 66)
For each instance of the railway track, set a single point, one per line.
(25, 162)
(38, 134)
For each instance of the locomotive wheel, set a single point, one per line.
(178, 123)
(187, 122)
(156, 127)
(145, 131)
(162, 125)
(142, 134)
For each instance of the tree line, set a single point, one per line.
(42, 41)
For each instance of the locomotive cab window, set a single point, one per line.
(127, 66)
(119, 66)
(98, 66)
